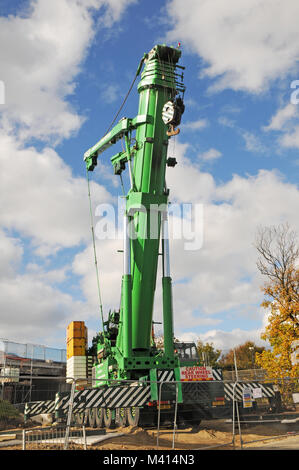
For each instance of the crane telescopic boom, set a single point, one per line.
(145, 221)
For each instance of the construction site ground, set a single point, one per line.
(217, 435)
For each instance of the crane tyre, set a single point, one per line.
(107, 415)
(133, 415)
(99, 417)
(122, 417)
(80, 418)
(92, 417)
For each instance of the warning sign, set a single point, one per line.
(257, 393)
(247, 397)
(196, 373)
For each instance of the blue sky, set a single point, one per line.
(66, 66)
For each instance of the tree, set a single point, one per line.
(278, 261)
(158, 341)
(208, 354)
(279, 255)
(245, 357)
(92, 350)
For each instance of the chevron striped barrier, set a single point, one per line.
(237, 389)
(112, 397)
(133, 395)
(109, 397)
(38, 407)
(165, 375)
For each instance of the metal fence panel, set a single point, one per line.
(54, 438)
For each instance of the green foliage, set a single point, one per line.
(92, 351)
(159, 341)
(208, 354)
(245, 355)
(279, 255)
(7, 411)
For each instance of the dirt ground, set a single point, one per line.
(214, 435)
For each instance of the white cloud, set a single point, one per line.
(181, 180)
(291, 138)
(114, 9)
(210, 155)
(245, 45)
(225, 340)
(195, 125)
(227, 122)
(285, 122)
(42, 199)
(282, 116)
(222, 276)
(46, 49)
(31, 309)
(253, 142)
(53, 276)
(11, 252)
(110, 263)
(220, 280)
(110, 93)
(43, 51)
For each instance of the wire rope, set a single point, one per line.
(95, 252)
(90, 203)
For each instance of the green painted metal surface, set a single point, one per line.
(157, 86)
(145, 155)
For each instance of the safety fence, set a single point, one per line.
(11, 352)
(54, 438)
(254, 412)
(191, 415)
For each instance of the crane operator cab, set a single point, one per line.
(186, 351)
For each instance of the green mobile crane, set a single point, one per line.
(126, 346)
(133, 381)
(125, 350)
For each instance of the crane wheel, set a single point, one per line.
(92, 417)
(133, 415)
(121, 417)
(107, 415)
(80, 418)
(99, 412)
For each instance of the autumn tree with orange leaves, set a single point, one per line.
(278, 261)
